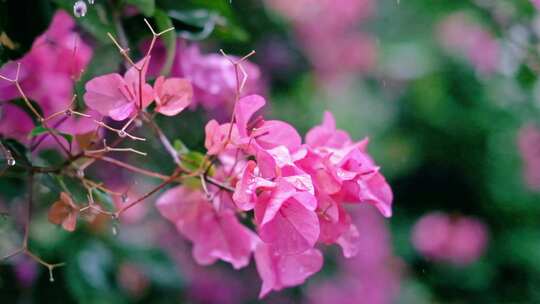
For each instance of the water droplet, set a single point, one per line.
(79, 9)
(114, 230)
(80, 173)
(90, 2)
(122, 133)
(11, 161)
(124, 197)
(51, 278)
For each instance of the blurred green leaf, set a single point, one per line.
(146, 7)
(163, 22)
(202, 23)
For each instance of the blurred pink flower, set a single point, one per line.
(15, 122)
(458, 240)
(26, 271)
(327, 32)
(48, 70)
(458, 33)
(529, 148)
(212, 75)
(536, 3)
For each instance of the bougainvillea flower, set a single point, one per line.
(278, 271)
(458, 240)
(64, 212)
(286, 219)
(215, 235)
(218, 137)
(327, 135)
(47, 71)
(118, 97)
(14, 122)
(172, 95)
(265, 134)
(245, 195)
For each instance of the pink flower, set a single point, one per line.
(286, 219)
(217, 137)
(457, 240)
(118, 97)
(529, 148)
(212, 75)
(536, 3)
(215, 234)
(14, 122)
(47, 71)
(278, 271)
(172, 95)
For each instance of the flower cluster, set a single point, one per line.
(46, 74)
(296, 192)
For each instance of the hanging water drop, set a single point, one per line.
(51, 278)
(11, 161)
(79, 9)
(90, 2)
(114, 230)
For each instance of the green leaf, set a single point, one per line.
(39, 130)
(147, 7)
(201, 23)
(163, 22)
(104, 199)
(180, 147)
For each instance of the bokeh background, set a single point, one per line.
(447, 92)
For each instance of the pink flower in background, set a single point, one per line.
(118, 97)
(48, 70)
(529, 148)
(15, 122)
(458, 240)
(328, 33)
(460, 34)
(212, 75)
(536, 3)
(172, 95)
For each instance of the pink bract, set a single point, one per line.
(118, 97)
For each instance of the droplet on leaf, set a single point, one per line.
(79, 9)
